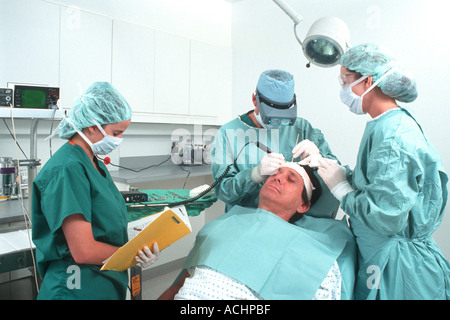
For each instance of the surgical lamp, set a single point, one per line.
(326, 40)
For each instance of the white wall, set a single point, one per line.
(71, 44)
(263, 38)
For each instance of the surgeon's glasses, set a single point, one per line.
(346, 78)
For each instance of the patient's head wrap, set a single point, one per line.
(100, 102)
(372, 60)
(305, 176)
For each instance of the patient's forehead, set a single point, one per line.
(291, 173)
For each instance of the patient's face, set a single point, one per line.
(282, 192)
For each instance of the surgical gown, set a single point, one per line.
(236, 187)
(399, 201)
(69, 184)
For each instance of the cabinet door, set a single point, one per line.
(171, 74)
(210, 90)
(85, 52)
(29, 41)
(134, 64)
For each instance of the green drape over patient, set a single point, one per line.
(274, 258)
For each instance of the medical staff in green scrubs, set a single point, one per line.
(291, 138)
(397, 193)
(79, 216)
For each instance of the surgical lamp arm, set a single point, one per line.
(292, 14)
(289, 11)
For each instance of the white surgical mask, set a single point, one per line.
(107, 144)
(102, 147)
(261, 122)
(352, 100)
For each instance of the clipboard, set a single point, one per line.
(164, 228)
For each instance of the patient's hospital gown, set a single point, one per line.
(400, 198)
(208, 284)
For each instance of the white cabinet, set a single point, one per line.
(133, 61)
(171, 74)
(166, 78)
(29, 41)
(210, 80)
(85, 49)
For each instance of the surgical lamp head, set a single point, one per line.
(326, 40)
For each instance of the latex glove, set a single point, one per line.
(146, 258)
(305, 149)
(331, 172)
(313, 160)
(341, 190)
(269, 164)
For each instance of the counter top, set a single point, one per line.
(11, 210)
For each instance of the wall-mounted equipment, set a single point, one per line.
(35, 97)
(6, 97)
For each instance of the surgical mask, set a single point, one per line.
(102, 147)
(107, 145)
(352, 100)
(261, 122)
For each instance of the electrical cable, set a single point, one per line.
(26, 215)
(51, 129)
(15, 140)
(108, 162)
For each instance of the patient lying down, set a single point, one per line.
(253, 253)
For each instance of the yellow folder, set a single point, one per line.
(164, 228)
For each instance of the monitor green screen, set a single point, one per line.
(34, 98)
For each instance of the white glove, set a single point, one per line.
(331, 173)
(146, 258)
(269, 164)
(341, 190)
(305, 149)
(313, 161)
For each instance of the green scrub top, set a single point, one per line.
(237, 188)
(399, 201)
(70, 184)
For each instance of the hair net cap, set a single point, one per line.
(276, 85)
(372, 60)
(102, 102)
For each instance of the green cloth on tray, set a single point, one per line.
(160, 198)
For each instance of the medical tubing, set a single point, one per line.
(258, 144)
(205, 191)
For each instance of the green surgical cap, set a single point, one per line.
(102, 102)
(372, 60)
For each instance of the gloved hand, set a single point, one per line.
(305, 149)
(331, 173)
(312, 160)
(334, 177)
(146, 258)
(269, 165)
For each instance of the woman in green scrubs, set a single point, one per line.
(79, 216)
